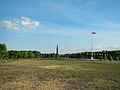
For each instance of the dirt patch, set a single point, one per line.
(50, 67)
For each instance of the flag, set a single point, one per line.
(93, 32)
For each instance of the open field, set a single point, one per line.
(59, 75)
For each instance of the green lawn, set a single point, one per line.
(59, 75)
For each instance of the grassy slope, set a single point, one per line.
(59, 75)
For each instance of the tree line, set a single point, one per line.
(14, 54)
(101, 55)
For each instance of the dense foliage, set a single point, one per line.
(102, 55)
(13, 54)
(3, 51)
(23, 54)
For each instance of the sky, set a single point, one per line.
(42, 24)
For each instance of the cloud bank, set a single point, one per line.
(17, 24)
(9, 25)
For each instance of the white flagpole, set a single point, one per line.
(91, 48)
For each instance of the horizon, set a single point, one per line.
(57, 48)
(42, 24)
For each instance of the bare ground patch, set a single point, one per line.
(62, 67)
(51, 67)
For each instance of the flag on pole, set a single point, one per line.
(93, 32)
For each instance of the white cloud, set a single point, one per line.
(27, 22)
(18, 24)
(10, 25)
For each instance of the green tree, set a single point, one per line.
(117, 59)
(105, 58)
(101, 58)
(37, 54)
(30, 54)
(111, 58)
(117, 54)
(3, 51)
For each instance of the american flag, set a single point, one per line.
(93, 32)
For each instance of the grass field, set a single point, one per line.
(59, 75)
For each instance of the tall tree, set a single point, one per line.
(57, 51)
(3, 51)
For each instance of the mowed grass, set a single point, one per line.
(59, 75)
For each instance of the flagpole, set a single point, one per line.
(91, 47)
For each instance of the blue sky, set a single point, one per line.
(42, 24)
